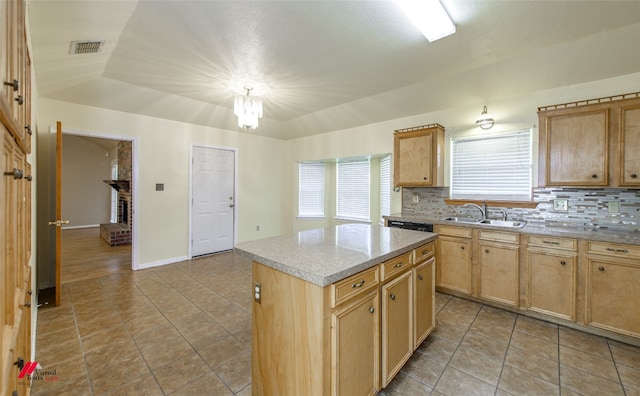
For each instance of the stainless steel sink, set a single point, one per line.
(462, 219)
(502, 223)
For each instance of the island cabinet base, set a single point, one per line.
(291, 336)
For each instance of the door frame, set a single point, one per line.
(235, 190)
(134, 175)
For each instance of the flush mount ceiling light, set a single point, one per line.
(485, 121)
(248, 109)
(429, 17)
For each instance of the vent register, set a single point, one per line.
(85, 47)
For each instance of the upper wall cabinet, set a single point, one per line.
(15, 72)
(418, 156)
(593, 143)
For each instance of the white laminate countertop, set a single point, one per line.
(326, 255)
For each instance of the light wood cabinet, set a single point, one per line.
(612, 293)
(498, 266)
(424, 303)
(355, 357)
(397, 325)
(454, 254)
(418, 157)
(592, 143)
(629, 135)
(551, 276)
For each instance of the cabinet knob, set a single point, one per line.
(486, 250)
(20, 100)
(19, 363)
(14, 84)
(398, 265)
(461, 247)
(28, 128)
(16, 173)
(371, 309)
(392, 296)
(424, 178)
(594, 176)
(420, 277)
(563, 262)
(634, 176)
(601, 269)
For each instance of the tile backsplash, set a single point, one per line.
(586, 207)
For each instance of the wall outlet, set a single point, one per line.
(159, 186)
(561, 205)
(614, 206)
(416, 198)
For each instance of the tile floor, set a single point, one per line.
(185, 329)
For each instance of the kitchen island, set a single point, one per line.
(338, 310)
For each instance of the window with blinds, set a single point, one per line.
(385, 186)
(311, 189)
(353, 190)
(492, 168)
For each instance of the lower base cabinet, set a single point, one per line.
(424, 303)
(397, 325)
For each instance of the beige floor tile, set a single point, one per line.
(180, 372)
(595, 365)
(521, 383)
(630, 377)
(246, 391)
(535, 365)
(98, 323)
(424, 369)
(404, 385)
(200, 330)
(463, 306)
(583, 383)
(534, 345)
(632, 392)
(478, 365)
(146, 386)
(625, 355)
(71, 374)
(110, 368)
(454, 318)
(490, 330)
(538, 328)
(455, 382)
(57, 337)
(495, 349)
(97, 340)
(144, 322)
(449, 332)
(438, 348)
(222, 351)
(156, 335)
(208, 384)
(585, 342)
(236, 373)
(60, 352)
(165, 352)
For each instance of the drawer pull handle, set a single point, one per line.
(15, 84)
(392, 296)
(601, 269)
(425, 252)
(634, 176)
(17, 174)
(617, 250)
(397, 265)
(371, 309)
(420, 277)
(563, 262)
(359, 284)
(594, 176)
(551, 242)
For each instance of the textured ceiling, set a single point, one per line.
(320, 65)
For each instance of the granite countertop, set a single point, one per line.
(622, 234)
(326, 255)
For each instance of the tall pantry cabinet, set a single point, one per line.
(15, 206)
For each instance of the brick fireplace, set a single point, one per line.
(120, 233)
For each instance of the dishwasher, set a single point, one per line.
(410, 225)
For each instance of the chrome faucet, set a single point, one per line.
(483, 209)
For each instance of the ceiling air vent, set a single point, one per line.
(85, 47)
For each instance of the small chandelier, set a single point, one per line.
(485, 121)
(248, 109)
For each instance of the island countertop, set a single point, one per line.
(326, 255)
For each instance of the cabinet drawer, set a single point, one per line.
(463, 232)
(354, 285)
(498, 236)
(611, 249)
(424, 252)
(553, 242)
(395, 266)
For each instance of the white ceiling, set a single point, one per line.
(320, 65)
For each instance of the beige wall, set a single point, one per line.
(162, 151)
(86, 199)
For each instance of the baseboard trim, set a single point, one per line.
(80, 226)
(161, 263)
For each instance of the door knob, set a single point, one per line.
(231, 205)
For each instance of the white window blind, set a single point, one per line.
(492, 167)
(385, 186)
(311, 189)
(353, 190)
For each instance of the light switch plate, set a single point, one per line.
(561, 205)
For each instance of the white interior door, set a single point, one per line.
(213, 200)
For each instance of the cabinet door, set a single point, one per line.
(424, 317)
(576, 146)
(630, 145)
(613, 295)
(499, 273)
(551, 284)
(397, 325)
(454, 264)
(355, 356)
(418, 160)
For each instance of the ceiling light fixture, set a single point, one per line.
(485, 121)
(430, 17)
(248, 109)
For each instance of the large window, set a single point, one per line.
(353, 190)
(492, 167)
(311, 189)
